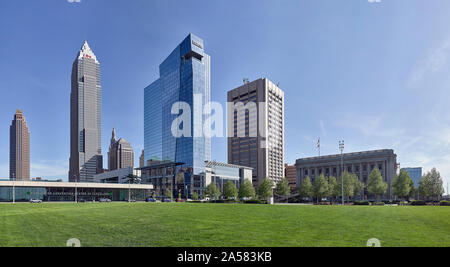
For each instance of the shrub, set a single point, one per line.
(393, 202)
(223, 201)
(418, 203)
(445, 203)
(323, 203)
(379, 204)
(361, 203)
(254, 201)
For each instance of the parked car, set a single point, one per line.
(150, 199)
(166, 200)
(82, 200)
(35, 201)
(132, 200)
(104, 200)
(180, 200)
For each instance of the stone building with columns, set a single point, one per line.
(358, 163)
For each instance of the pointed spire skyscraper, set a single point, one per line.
(86, 158)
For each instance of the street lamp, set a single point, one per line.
(14, 188)
(341, 147)
(76, 189)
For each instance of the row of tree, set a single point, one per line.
(430, 186)
(246, 190)
(323, 187)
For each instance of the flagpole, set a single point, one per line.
(318, 146)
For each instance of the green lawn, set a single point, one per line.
(221, 225)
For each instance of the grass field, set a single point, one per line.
(221, 225)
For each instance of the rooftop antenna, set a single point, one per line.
(246, 80)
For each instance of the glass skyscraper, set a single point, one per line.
(184, 78)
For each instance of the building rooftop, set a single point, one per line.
(347, 155)
(209, 164)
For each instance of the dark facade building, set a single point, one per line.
(142, 160)
(86, 158)
(358, 163)
(19, 152)
(256, 129)
(291, 175)
(121, 154)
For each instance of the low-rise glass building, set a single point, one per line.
(24, 191)
(167, 175)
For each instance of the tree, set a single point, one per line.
(413, 190)
(247, 190)
(376, 186)
(349, 185)
(195, 196)
(283, 188)
(431, 185)
(333, 187)
(230, 190)
(358, 186)
(265, 189)
(168, 193)
(305, 189)
(212, 191)
(320, 187)
(401, 186)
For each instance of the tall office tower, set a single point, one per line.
(121, 154)
(184, 79)
(142, 160)
(19, 148)
(86, 158)
(256, 129)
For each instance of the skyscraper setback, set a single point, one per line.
(86, 158)
(19, 153)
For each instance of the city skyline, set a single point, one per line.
(376, 102)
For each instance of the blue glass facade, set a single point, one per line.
(184, 77)
(415, 174)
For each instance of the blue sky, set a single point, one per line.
(374, 74)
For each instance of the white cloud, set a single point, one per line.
(432, 63)
(427, 146)
(369, 126)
